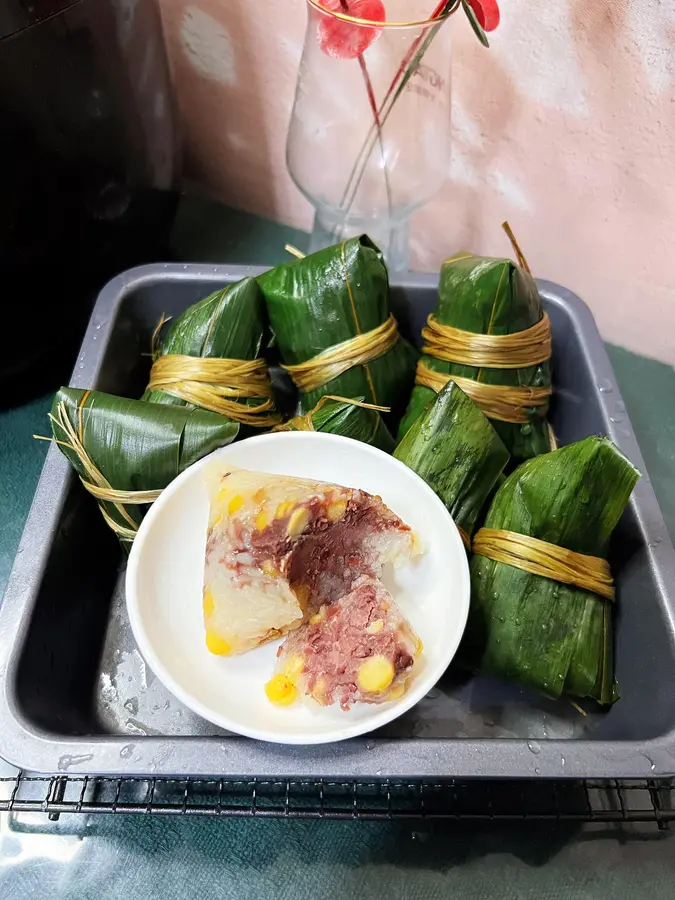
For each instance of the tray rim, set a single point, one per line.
(33, 749)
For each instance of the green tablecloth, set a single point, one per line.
(147, 857)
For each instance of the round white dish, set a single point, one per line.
(164, 589)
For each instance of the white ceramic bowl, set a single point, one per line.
(164, 589)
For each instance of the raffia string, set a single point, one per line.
(357, 351)
(466, 540)
(95, 482)
(305, 423)
(491, 351)
(503, 402)
(218, 385)
(520, 256)
(548, 560)
(298, 254)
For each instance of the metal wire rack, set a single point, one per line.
(557, 801)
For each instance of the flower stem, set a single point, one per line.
(404, 73)
(376, 120)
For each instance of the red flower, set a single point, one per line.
(487, 13)
(342, 39)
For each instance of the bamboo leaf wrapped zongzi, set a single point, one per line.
(330, 315)
(453, 447)
(210, 357)
(481, 301)
(127, 451)
(547, 631)
(347, 418)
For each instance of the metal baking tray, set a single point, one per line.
(77, 697)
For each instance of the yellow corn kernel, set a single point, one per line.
(419, 648)
(318, 617)
(298, 522)
(336, 510)
(301, 592)
(270, 569)
(260, 495)
(375, 674)
(293, 668)
(319, 691)
(284, 509)
(375, 627)
(397, 692)
(235, 503)
(280, 690)
(261, 521)
(217, 645)
(208, 604)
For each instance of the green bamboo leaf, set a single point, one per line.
(138, 446)
(331, 296)
(351, 421)
(490, 296)
(537, 632)
(455, 449)
(475, 24)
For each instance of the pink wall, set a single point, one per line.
(566, 127)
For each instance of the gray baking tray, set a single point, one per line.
(77, 697)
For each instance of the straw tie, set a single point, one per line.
(548, 560)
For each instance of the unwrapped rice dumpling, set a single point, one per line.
(547, 631)
(489, 297)
(278, 548)
(330, 315)
(358, 649)
(455, 449)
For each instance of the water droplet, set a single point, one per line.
(81, 366)
(537, 771)
(433, 694)
(98, 327)
(533, 747)
(605, 387)
(167, 704)
(370, 745)
(127, 750)
(65, 762)
(562, 760)
(131, 705)
(526, 430)
(616, 419)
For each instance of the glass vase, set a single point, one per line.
(369, 137)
